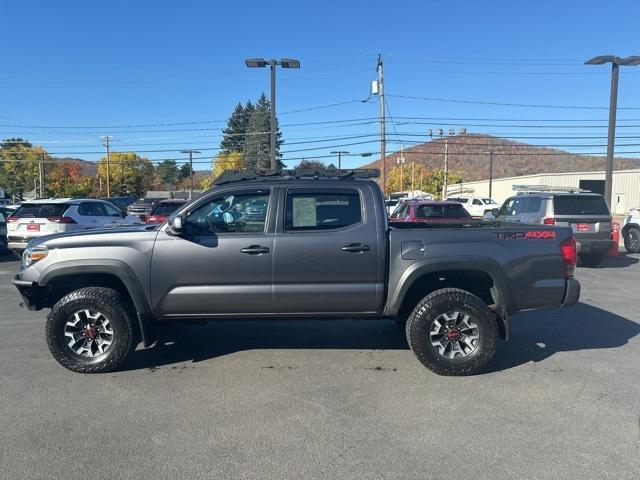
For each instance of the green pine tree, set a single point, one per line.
(234, 134)
(257, 144)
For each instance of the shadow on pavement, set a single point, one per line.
(538, 335)
(7, 256)
(535, 336)
(179, 342)
(621, 261)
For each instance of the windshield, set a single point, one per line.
(40, 210)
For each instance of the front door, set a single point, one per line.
(222, 262)
(327, 256)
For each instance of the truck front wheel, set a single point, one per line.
(90, 330)
(452, 332)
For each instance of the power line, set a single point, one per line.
(505, 104)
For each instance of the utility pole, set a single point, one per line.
(190, 152)
(490, 173)
(413, 173)
(339, 153)
(106, 139)
(41, 175)
(445, 184)
(383, 129)
(400, 162)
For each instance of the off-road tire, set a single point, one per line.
(117, 309)
(443, 301)
(592, 259)
(632, 240)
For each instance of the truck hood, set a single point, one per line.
(107, 236)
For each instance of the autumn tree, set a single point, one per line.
(66, 179)
(429, 181)
(220, 163)
(19, 161)
(129, 173)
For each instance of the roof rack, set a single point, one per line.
(527, 189)
(231, 176)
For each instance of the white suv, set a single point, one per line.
(631, 231)
(45, 217)
(476, 206)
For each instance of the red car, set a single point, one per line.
(432, 211)
(163, 209)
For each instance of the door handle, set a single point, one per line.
(356, 248)
(255, 250)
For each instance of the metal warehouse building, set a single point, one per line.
(626, 186)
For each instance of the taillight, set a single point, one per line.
(12, 219)
(569, 256)
(61, 219)
(549, 221)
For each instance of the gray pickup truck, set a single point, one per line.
(295, 244)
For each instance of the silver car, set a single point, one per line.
(586, 213)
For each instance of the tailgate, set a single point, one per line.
(594, 227)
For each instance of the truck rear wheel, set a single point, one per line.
(452, 332)
(90, 330)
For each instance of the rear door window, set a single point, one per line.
(533, 205)
(441, 211)
(92, 209)
(40, 210)
(580, 205)
(322, 210)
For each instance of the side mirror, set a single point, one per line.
(489, 216)
(176, 225)
(123, 214)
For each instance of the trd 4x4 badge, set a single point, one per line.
(530, 235)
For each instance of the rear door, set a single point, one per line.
(94, 215)
(327, 255)
(587, 215)
(512, 209)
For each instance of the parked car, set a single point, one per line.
(3, 232)
(324, 249)
(121, 202)
(44, 217)
(163, 209)
(631, 231)
(143, 207)
(432, 211)
(477, 206)
(586, 213)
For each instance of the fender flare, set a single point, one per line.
(504, 301)
(118, 269)
(628, 226)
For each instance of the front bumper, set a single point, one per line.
(34, 296)
(572, 293)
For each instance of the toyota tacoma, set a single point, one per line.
(323, 247)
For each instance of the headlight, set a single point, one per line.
(32, 255)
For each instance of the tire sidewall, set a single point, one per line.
(109, 303)
(427, 311)
(632, 233)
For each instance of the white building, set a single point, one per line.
(626, 186)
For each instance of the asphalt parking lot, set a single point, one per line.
(333, 399)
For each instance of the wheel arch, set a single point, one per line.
(63, 277)
(481, 277)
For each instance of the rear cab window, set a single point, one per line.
(322, 210)
(165, 208)
(580, 205)
(40, 210)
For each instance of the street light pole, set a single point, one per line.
(261, 63)
(613, 106)
(490, 173)
(190, 152)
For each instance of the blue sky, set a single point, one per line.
(105, 67)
